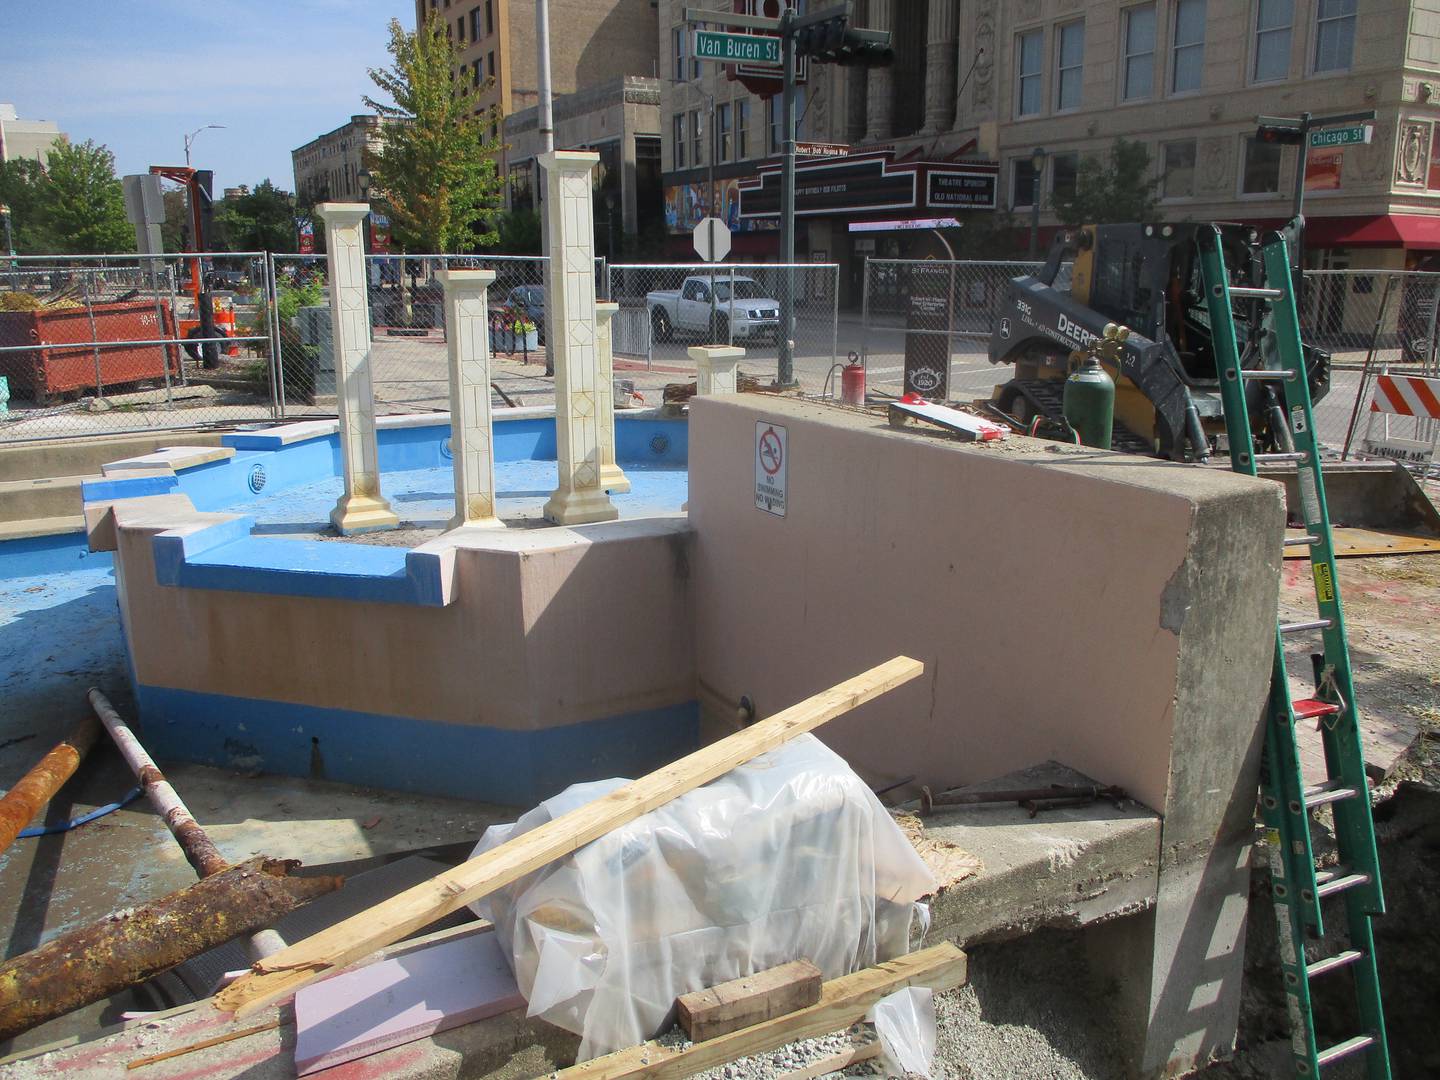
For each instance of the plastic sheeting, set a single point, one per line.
(790, 856)
(905, 1022)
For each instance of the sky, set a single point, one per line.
(139, 75)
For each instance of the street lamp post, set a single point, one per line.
(190, 139)
(1037, 168)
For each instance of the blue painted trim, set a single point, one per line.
(173, 549)
(127, 487)
(517, 768)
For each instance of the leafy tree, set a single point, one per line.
(517, 233)
(84, 207)
(1120, 187)
(435, 170)
(22, 189)
(261, 220)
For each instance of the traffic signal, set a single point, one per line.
(1280, 131)
(835, 41)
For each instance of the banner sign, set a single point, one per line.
(866, 183)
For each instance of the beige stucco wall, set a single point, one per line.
(543, 630)
(1046, 592)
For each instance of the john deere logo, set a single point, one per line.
(257, 478)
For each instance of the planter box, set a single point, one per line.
(63, 359)
(513, 341)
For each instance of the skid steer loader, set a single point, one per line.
(1167, 396)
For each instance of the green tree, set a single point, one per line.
(260, 220)
(84, 203)
(435, 169)
(1120, 187)
(517, 233)
(22, 189)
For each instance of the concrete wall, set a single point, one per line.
(1114, 614)
(562, 655)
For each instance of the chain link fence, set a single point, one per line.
(102, 344)
(944, 313)
(667, 309)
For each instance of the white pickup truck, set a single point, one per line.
(743, 317)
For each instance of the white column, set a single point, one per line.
(940, 65)
(570, 307)
(717, 368)
(361, 508)
(612, 477)
(467, 337)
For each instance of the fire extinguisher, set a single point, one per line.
(852, 382)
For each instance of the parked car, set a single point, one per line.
(746, 316)
(531, 300)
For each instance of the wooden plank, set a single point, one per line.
(748, 1000)
(282, 974)
(835, 1062)
(204, 1044)
(842, 1002)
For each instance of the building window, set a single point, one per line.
(1022, 183)
(490, 65)
(1069, 65)
(1334, 35)
(1063, 170)
(1139, 53)
(697, 145)
(724, 147)
(476, 75)
(742, 129)
(475, 24)
(1177, 160)
(460, 29)
(1273, 19)
(774, 108)
(802, 116)
(1262, 168)
(489, 16)
(679, 34)
(1188, 56)
(1029, 48)
(679, 140)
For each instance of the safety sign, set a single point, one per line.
(770, 468)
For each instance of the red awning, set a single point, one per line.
(1417, 231)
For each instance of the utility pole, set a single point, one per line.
(785, 370)
(545, 126)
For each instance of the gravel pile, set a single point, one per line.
(775, 1063)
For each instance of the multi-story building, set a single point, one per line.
(592, 42)
(329, 167)
(1028, 88)
(25, 138)
(619, 120)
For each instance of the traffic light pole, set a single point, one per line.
(785, 369)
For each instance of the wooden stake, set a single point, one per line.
(279, 976)
(204, 1044)
(33, 790)
(842, 1002)
(835, 1062)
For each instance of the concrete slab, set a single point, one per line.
(169, 459)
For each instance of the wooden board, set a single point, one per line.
(842, 1002)
(375, 1007)
(835, 1062)
(282, 974)
(748, 1000)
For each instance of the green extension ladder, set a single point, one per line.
(1298, 886)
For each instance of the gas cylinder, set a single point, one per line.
(852, 382)
(1089, 403)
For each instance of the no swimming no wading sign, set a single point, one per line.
(771, 465)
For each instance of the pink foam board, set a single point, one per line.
(397, 1001)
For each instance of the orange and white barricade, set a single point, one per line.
(1414, 396)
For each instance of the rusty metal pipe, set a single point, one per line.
(37, 787)
(199, 849)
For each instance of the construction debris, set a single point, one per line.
(842, 1002)
(32, 791)
(284, 973)
(1032, 799)
(131, 946)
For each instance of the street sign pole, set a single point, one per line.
(785, 368)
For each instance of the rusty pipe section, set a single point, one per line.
(199, 849)
(36, 788)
